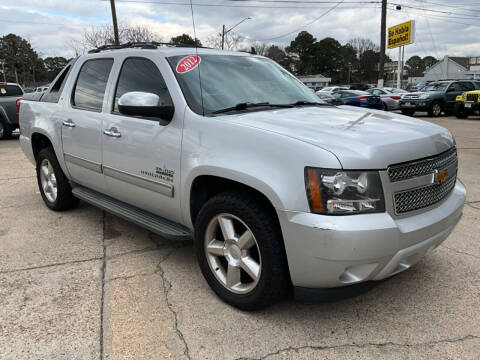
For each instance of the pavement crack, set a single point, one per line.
(166, 289)
(461, 252)
(137, 251)
(361, 346)
(102, 296)
(49, 265)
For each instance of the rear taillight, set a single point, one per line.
(395, 97)
(17, 103)
(361, 98)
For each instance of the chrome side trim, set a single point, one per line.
(88, 164)
(159, 187)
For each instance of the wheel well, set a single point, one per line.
(206, 186)
(39, 142)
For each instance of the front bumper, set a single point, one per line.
(331, 251)
(417, 104)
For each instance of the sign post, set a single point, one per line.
(399, 36)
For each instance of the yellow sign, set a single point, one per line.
(401, 34)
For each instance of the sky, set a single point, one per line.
(443, 27)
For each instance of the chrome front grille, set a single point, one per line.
(432, 190)
(410, 96)
(419, 198)
(472, 97)
(422, 167)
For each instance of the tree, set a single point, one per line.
(280, 56)
(363, 44)
(99, 35)
(429, 61)
(185, 39)
(416, 66)
(19, 57)
(231, 41)
(53, 65)
(304, 46)
(368, 65)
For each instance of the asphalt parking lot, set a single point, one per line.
(86, 285)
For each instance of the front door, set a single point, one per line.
(141, 156)
(82, 124)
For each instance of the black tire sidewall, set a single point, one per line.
(430, 111)
(273, 282)
(65, 199)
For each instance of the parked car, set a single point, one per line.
(36, 94)
(277, 189)
(363, 87)
(332, 89)
(390, 97)
(467, 104)
(436, 97)
(10, 95)
(359, 98)
(329, 98)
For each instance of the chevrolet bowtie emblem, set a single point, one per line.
(440, 176)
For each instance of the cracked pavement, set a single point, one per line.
(84, 284)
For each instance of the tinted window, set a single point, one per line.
(58, 84)
(467, 86)
(140, 74)
(10, 90)
(91, 83)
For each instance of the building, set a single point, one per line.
(454, 68)
(315, 81)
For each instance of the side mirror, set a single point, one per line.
(138, 103)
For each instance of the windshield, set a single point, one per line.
(230, 80)
(435, 87)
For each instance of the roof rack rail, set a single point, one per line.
(140, 45)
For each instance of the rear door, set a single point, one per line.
(82, 123)
(141, 163)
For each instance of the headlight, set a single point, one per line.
(424, 96)
(337, 192)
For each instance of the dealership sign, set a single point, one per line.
(401, 34)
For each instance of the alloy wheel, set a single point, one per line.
(437, 109)
(48, 180)
(232, 253)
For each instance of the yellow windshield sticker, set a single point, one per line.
(3, 90)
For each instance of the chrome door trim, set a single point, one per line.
(159, 187)
(88, 164)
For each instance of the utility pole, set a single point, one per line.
(223, 35)
(383, 36)
(114, 19)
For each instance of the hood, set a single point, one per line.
(359, 138)
(418, 93)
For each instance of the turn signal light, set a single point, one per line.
(314, 191)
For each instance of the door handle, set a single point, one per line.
(113, 132)
(69, 123)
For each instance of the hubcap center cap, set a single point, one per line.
(232, 253)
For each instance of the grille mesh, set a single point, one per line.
(472, 97)
(422, 167)
(422, 197)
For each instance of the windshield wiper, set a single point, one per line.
(301, 102)
(245, 105)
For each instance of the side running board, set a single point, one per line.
(145, 219)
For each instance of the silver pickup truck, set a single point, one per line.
(279, 190)
(10, 95)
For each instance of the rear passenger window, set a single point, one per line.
(467, 86)
(140, 74)
(91, 83)
(58, 84)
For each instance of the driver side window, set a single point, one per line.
(140, 74)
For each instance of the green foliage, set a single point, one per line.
(185, 39)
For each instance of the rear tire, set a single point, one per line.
(242, 212)
(384, 106)
(408, 112)
(52, 182)
(5, 131)
(436, 109)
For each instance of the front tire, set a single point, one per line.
(384, 106)
(436, 109)
(52, 182)
(240, 250)
(460, 111)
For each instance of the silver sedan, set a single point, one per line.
(390, 97)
